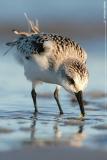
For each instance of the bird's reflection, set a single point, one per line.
(80, 130)
(78, 138)
(56, 128)
(33, 127)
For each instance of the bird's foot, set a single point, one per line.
(61, 112)
(82, 116)
(36, 111)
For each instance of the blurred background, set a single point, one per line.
(80, 20)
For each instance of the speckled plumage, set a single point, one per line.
(34, 44)
(52, 58)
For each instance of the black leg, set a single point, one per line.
(56, 96)
(33, 93)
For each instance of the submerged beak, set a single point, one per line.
(79, 97)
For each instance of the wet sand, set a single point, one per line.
(54, 152)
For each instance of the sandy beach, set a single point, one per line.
(54, 153)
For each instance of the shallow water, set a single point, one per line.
(20, 127)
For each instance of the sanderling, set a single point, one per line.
(54, 59)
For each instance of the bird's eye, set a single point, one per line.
(70, 80)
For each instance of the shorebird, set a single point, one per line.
(54, 59)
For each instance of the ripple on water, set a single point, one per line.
(5, 130)
(19, 125)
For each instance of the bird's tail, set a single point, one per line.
(34, 26)
(33, 29)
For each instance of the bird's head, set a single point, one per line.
(74, 76)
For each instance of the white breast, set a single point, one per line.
(36, 68)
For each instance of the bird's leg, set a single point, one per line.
(56, 96)
(34, 95)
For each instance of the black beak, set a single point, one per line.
(79, 97)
